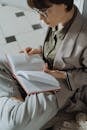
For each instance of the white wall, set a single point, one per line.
(79, 4)
(85, 9)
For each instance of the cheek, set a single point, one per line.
(52, 20)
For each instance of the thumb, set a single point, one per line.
(46, 65)
(45, 69)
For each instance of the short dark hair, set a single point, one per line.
(41, 4)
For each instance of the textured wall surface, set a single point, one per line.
(79, 4)
(85, 8)
(18, 3)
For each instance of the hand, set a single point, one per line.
(56, 73)
(17, 98)
(31, 51)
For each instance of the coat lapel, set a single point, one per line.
(67, 46)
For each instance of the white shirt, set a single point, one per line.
(30, 114)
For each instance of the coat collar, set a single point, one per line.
(68, 43)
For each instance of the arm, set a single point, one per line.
(55, 73)
(36, 109)
(31, 51)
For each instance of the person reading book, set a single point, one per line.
(65, 48)
(28, 71)
(65, 54)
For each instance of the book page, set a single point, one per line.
(23, 62)
(32, 87)
(28, 72)
(39, 76)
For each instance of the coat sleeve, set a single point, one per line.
(78, 77)
(36, 108)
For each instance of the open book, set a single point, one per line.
(28, 71)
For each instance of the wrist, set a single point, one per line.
(65, 75)
(61, 74)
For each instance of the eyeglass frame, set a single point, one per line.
(41, 12)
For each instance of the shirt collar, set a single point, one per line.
(62, 30)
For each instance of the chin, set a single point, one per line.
(52, 25)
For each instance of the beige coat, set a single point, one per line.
(72, 54)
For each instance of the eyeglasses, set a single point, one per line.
(42, 12)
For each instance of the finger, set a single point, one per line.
(28, 49)
(58, 74)
(25, 50)
(33, 51)
(45, 68)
